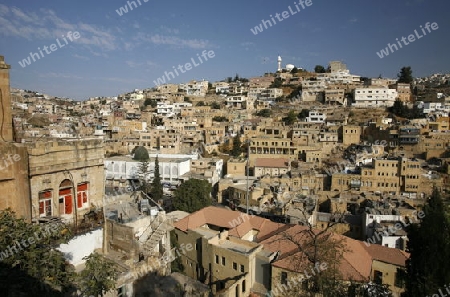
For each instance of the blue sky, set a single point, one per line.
(116, 54)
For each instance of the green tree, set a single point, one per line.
(143, 175)
(294, 70)
(30, 264)
(156, 191)
(220, 119)
(201, 103)
(399, 109)
(265, 113)
(140, 154)
(236, 150)
(405, 75)
(319, 69)
(290, 118)
(277, 83)
(215, 105)
(303, 114)
(98, 277)
(428, 268)
(192, 195)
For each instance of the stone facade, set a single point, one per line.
(66, 178)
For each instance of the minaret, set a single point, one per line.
(279, 63)
(6, 133)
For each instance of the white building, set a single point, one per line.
(237, 101)
(195, 88)
(385, 230)
(316, 117)
(125, 168)
(339, 77)
(168, 109)
(374, 97)
(435, 106)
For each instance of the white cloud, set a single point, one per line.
(45, 24)
(179, 42)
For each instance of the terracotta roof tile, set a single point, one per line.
(387, 255)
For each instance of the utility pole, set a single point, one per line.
(248, 171)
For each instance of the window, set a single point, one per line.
(242, 268)
(82, 195)
(283, 279)
(243, 286)
(378, 277)
(45, 203)
(217, 259)
(65, 201)
(223, 261)
(234, 265)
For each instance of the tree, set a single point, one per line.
(319, 69)
(236, 150)
(143, 175)
(429, 246)
(315, 246)
(30, 264)
(220, 119)
(277, 83)
(156, 190)
(98, 277)
(399, 109)
(192, 195)
(215, 105)
(265, 113)
(294, 70)
(405, 75)
(290, 118)
(140, 154)
(303, 114)
(201, 103)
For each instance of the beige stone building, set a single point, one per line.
(237, 254)
(66, 178)
(384, 175)
(271, 167)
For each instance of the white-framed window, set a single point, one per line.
(45, 203)
(82, 195)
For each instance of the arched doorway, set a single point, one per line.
(66, 197)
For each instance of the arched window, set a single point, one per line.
(65, 197)
(174, 170)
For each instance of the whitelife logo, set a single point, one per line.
(53, 47)
(411, 38)
(188, 66)
(281, 16)
(124, 9)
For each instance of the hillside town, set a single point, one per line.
(292, 182)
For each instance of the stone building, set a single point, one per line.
(66, 178)
(14, 184)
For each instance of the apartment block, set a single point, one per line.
(374, 97)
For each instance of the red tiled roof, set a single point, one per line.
(355, 263)
(387, 255)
